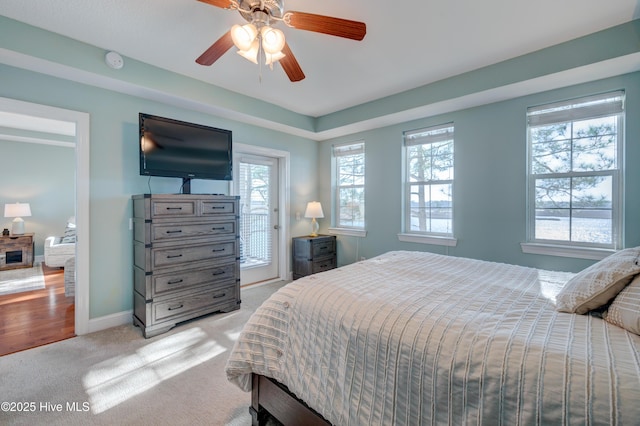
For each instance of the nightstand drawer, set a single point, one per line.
(325, 247)
(323, 265)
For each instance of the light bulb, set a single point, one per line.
(243, 36)
(272, 39)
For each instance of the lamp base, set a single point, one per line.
(314, 227)
(17, 226)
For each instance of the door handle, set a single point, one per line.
(276, 227)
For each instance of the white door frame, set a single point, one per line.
(284, 247)
(81, 121)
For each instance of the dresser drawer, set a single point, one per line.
(218, 207)
(192, 253)
(216, 277)
(183, 306)
(180, 208)
(180, 231)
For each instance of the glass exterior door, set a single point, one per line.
(257, 185)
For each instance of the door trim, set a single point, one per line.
(284, 262)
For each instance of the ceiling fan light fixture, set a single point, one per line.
(243, 36)
(272, 39)
(252, 52)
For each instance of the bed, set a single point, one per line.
(410, 338)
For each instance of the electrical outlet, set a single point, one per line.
(362, 258)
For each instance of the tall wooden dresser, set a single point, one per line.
(186, 258)
(313, 254)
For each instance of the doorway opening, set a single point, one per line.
(37, 120)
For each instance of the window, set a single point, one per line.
(575, 172)
(349, 185)
(428, 181)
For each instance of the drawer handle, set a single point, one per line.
(217, 207)
(175, 232)
(218, 296)
(218, 273)
(174, 208)
(218, 229)
(173, 256)
(218, 250)
(323, 248)
(173, 308)
(175, 281)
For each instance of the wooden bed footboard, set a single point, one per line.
(272, 399)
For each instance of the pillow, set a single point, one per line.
(596, 285)
(69, 235)
(624, 311)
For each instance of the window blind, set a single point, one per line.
(348, 149)
(577, 109)
(439, 133)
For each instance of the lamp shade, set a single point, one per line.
(272, 39)
(17, 210)
(243, 36)
(314, 210)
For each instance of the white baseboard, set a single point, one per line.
(108, 321)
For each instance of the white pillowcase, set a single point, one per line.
(598, 284)
(624, 311)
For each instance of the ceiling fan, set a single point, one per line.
(259, 41)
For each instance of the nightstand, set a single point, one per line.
(313, 254)
(16, 251)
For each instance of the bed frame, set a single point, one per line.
(270, 399)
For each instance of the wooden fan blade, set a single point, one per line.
(326, 24)
(216, 50)
(224, 4)
(290, 65)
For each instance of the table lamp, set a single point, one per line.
(17, 211)
(314, 210)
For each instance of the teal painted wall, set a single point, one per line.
(114, 170)
(43, 176)
(490, 147)
(490, 180)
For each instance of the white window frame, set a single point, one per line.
(338, 151)
(571, 111)
(424, 136)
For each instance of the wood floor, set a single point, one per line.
(38, 317)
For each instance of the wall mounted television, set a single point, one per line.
(173, 148)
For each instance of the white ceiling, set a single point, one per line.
(408, 44)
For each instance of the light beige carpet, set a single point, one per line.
(23, 279)
(116, 376)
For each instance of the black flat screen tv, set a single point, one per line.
(173, 148)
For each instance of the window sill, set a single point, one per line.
(350, 232)
(428, 239)
(566, 251)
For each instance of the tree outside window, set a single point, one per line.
(574, 171)
(429, 180)
(350, 179)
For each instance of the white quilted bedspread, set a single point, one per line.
(411, 338)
